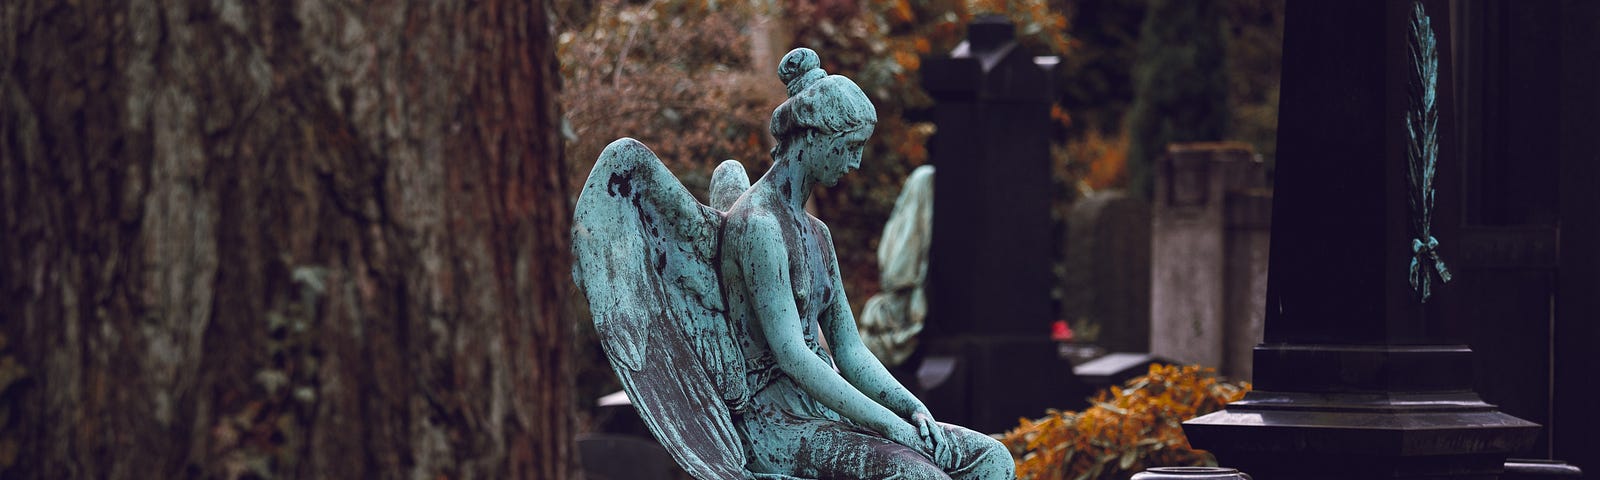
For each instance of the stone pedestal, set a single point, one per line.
(990, 381)
(1351, 381)
(1362, 411)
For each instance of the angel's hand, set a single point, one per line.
(931, 433)
(906, 434)
(927, 428)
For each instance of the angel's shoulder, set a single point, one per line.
(816, 224)
(751, 224)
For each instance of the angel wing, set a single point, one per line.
(645, 250)
(728, 182)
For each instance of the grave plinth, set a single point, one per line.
(1350, 381)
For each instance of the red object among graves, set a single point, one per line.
(1060, 332)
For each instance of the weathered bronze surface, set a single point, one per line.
(1422, 154)
(713, 316)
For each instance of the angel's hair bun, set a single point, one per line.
(817, 101)
(800, 68)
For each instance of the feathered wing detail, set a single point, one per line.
(645, 253)
(728, 183)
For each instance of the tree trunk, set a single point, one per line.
(282, 239)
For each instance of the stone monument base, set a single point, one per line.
(1359, 411)
(989, 382)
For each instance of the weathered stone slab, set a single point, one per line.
(1209, 255)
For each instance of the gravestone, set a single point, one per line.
(992, 194)
(989, 272)
(1527, 219)
(1208, 255)
(1248, 221)
(1350, 382)
(1107, 278)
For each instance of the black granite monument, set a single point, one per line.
(1528, 271)
(989, 356)
(1354, 378)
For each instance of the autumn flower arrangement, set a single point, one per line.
(1126, 430)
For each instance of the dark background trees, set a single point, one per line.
(1180, 84)
(264, 239)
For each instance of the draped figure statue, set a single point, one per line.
(892, 319)
(714, 317)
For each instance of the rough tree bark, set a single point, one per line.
(305, 238)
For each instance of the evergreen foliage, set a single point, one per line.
(1095, 81)
(1181, 84)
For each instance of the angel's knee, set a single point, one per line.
(983, 458)
(994, 461)
(915, 467)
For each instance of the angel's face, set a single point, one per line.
(838, 153)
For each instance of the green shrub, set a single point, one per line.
(1180, 83)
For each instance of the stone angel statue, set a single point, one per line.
(714, 316)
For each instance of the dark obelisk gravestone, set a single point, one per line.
(1350, 381)
(991, 249)
(989, 356)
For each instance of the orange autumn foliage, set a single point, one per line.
(1128, 429)
(1107, 158)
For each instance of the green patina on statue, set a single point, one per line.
(714, 316)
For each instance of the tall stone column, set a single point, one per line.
(1351, 381)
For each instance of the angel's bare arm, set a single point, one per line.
(763, 261)
(856, 362)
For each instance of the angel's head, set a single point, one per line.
(826, 121)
